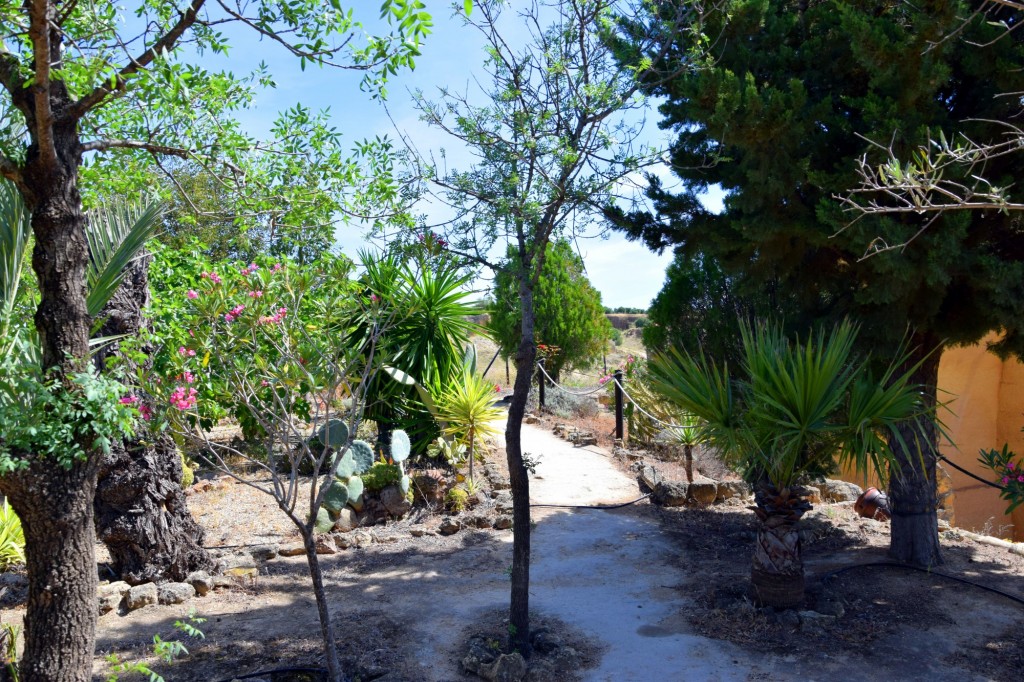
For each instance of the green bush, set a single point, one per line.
(456, 500)
(380, 476)
(188, 475)
(12, 538)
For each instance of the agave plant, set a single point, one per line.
(796, 411)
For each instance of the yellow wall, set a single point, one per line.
(984, 399)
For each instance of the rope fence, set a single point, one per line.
(621, 395)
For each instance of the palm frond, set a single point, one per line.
(117, 235)
(15, 231)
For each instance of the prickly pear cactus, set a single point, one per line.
(336, 497)
(324, 522)
(333, 434)
(346, 467)
(355, 489)
(404, 485)
(362, 455)
(400, 447)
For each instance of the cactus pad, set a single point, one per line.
(346, 467)
(333, 434)
(355, 489)
(400, 447)
(362, 454)
(336, 497)
(324, 522)
(403, 484)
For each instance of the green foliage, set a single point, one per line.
(467, 407)
(167, 651)
(380, 476)
(456, 499)
(333, 434)
(337, 496)
(12, 538)
(188, 475)
(453, 452)
(9, 650)
(1009, 471)
(41, 416)
(362, 456)
(784, 105)
(323, 523)
(567, 309)
(797, 408)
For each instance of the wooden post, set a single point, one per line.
(618, 404)
(540, 383)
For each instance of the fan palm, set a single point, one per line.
(797, 410)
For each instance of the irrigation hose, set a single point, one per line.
(888, 564)
(968, 473)
(592, 506)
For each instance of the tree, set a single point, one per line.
(789, 95)
(567, 310)
(83, 81)
(797, 409)
(549, 148)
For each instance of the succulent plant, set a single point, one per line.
(333, 434)
(324, 522)
(362, 454)
(337, 496)
(403, 484)
(346, 467)
(355, 490)
(400, 447)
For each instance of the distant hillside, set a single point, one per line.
(624, 321)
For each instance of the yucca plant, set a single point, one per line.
(467, 407)
(12, 538)
(796, 410)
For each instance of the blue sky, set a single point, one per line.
(625, 273)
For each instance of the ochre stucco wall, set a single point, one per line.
(984, 399)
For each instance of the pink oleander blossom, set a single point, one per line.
(145, 412)
(129, 400)
(212, 276)
(277, 267)
(184, 398)
(192, 294)
(256, 294)
(604, 380)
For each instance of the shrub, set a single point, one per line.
(380, 476)
(188, 474)
(12, 538)
(456, 500)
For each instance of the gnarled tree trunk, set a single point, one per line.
(777, 573)
(141, 511)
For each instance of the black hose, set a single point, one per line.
(968, 473)
(272, 671)
(592, 506)
(887, 564)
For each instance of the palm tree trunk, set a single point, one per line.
(777, 574)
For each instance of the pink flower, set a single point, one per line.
(191, 353)
(183, 398)
(264, 383)
(1020, 479)
(249, 270)
(277, 267)
(374, 298)
(1009, 465)
(182, 350)
(497, 388)
(604, 380)
(189, 377)
(233, 315)
(145, 412)
(1006, 479)
(129, 400)
(274, 319)
(192, 295)
(212, 276)
(256, 294)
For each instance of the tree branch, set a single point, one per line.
(39, 34)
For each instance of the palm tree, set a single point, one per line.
(796, 411)
(467, 408)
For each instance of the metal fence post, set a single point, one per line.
(618, 404)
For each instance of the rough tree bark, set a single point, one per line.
(141, 511)
(912, 500)
(53, 502)
(519, 480)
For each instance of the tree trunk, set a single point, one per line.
(777, 574)
(519, 608)
(55, 503)
(55, 508)
(688, 461)
(141, 510)
(915, 535)
(326, 626)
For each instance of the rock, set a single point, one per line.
(362, 539)
(649, 476)
(293, 550)
(530, 419)
(175, 593)
(429, 487)
(565, 660)
(325, 545)
(449, 526)
(788, 618)
(497, 480)
(813, 494)
(108, 602)
(394, 501)
(235, 561)
(141, 595)
(833, 490)
(738, 489)
(200, 581)
(703, 490)
(544, 641)
(503, 502)
(264, 552)
(503, 522)
(342, 541)
(669, 494)
(223, 581)
(482, 653)
(418, 532)
(119, 587)
(506, 668)
(477, 521)
(242, 572)
(347, 520)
